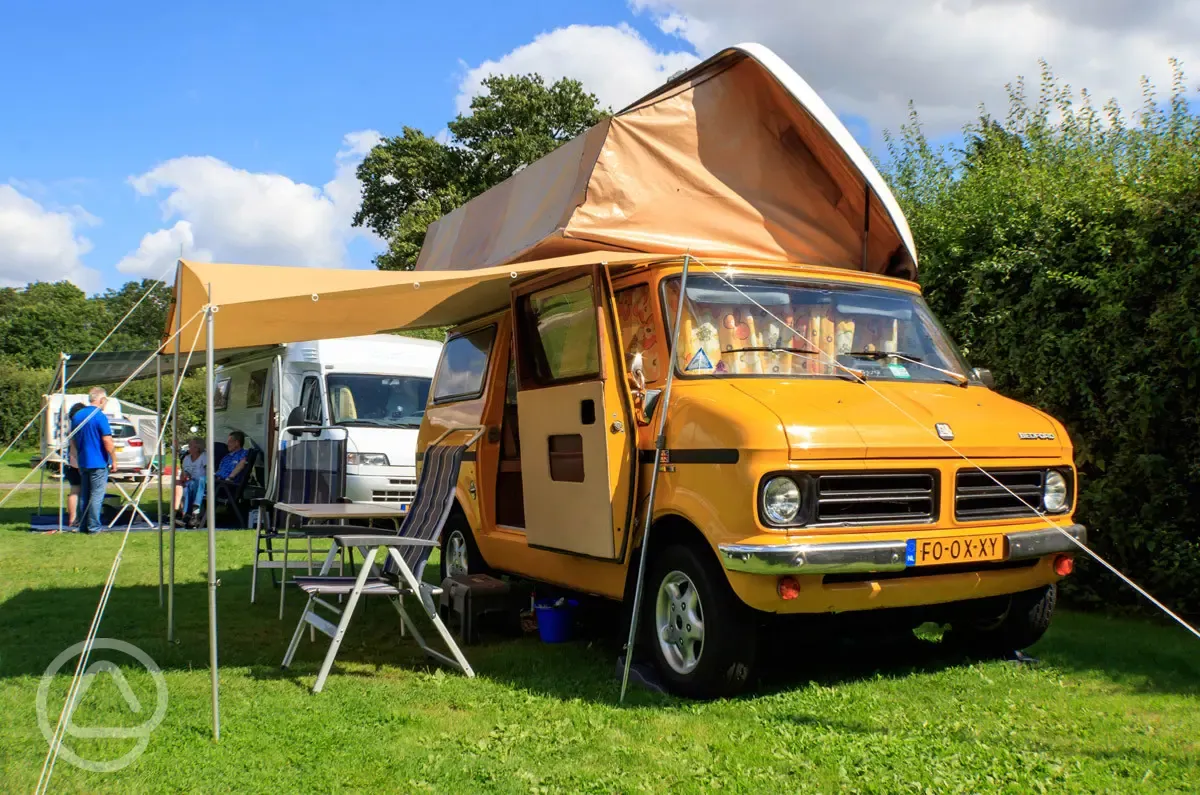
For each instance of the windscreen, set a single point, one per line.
(385, 401)
(756, 326)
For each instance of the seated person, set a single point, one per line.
(232, 468)
(189, 488)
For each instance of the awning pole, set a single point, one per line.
(158, 453)
(174, 464)
(211, 500)
(63, 455)
(660, 444)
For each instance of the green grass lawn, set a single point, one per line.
(14, 465)
(1112, 706)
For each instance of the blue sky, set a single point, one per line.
(96, 93)
(128, 128)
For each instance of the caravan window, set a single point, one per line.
(391, 401)
(463, 365)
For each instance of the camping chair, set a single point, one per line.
(232, 496)
(401, 575)
(306, 471)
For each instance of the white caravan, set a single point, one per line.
(375, 387)
(56, 420)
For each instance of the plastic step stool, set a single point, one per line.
(469, 596)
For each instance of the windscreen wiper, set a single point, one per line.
(958, 379)
(884, 355)
(806, 351)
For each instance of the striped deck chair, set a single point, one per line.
(401, 574)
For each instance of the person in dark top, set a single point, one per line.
(71, 469)
(92, 438)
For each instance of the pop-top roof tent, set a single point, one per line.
(735, 158)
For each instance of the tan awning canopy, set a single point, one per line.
(269, 305)
(737, 158)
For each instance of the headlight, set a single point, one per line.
(367, 459)
(781, 500)
(1054, 492)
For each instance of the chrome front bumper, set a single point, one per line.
(869, 556)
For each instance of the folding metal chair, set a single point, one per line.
(406, 553)
(306, 471)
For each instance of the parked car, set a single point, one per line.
(128, 448)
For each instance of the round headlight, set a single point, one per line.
(1054, 493)
(781, 500)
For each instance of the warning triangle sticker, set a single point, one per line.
(699, 362)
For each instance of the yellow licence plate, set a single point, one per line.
(119, 448)
(954, 549)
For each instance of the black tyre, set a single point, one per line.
(1019, 627)
(460, 554)
(702, 637)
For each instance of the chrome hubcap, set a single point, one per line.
(679, 622)
(456, 553)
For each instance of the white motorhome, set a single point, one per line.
(375, 387)
(55, 420)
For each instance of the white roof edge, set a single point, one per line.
(804, 94)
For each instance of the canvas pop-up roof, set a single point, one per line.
(735, 158)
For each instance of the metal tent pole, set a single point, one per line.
(158, 425)
(174, 463)
(660, 444)
(63, 454)
(211, 500)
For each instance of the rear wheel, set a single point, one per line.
(703, 637)
(1020, 626)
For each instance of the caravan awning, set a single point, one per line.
(113, 367)
(268, 305)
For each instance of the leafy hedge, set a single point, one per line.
(1061, 247)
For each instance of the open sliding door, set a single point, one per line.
(577, 443)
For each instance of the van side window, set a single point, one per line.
(639, 332)
(463, 365)
(561, 339)
(310, 398)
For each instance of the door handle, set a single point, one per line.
(616, 427)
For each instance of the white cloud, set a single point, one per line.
(614, 63)
(159, 251)
(37, 244)
(869, 57)
(235, 215)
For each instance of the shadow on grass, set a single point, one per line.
(37, 624)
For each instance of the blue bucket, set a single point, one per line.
(554, 623)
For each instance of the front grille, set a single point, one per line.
(977, 496)
(876, 498)
(392, 496)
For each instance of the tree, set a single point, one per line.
(411, 180)
(144, 328)
(44, 319)
(1061, 247)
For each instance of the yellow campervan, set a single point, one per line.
(826, 447)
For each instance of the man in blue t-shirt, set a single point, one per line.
(92, 443)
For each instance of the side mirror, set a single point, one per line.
(984, 376)
(295, 417)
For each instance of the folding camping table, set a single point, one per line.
(337, 513)
(140, 481)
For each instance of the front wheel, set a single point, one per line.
(704, 638)
(460, 554)
(1019, 627)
